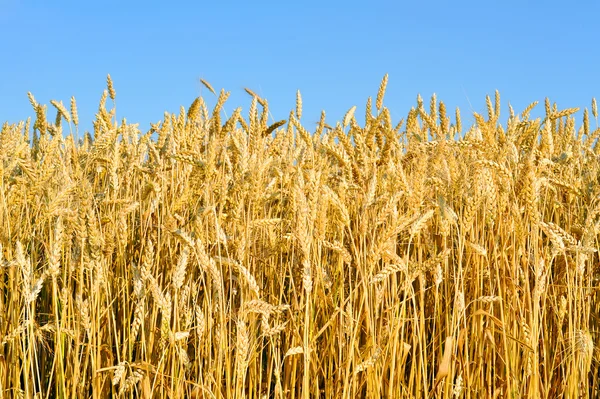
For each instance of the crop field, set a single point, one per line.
(229, 255)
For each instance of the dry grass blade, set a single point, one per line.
(444, 368)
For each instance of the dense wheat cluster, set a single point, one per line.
(222, 256)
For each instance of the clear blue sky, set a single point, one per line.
(335, 52)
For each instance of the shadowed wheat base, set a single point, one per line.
(237, 257)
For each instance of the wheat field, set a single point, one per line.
(220, 256)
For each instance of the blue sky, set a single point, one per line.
(334, 52)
